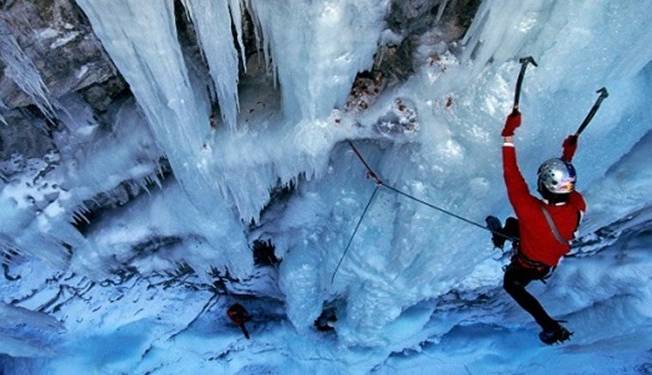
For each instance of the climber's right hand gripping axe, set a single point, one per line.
(524, 62)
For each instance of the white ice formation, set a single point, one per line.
(276, 167)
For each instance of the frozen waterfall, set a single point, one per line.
(144, 220)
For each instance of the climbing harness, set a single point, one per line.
(524, 261)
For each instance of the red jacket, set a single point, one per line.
(537, 240)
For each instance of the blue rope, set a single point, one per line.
(348, 245)
(421, 201)
(380, 183)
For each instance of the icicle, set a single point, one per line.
(83, 217)
(21, 70)
(75, 219)
(152, 63)
(3, 107)
(157, 181)
(257, 28)
(212, 22)
(442, 8)
(143, 185)
(160, 170)
(237, 8)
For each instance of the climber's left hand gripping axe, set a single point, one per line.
(524, 62)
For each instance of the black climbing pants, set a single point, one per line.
(517, 277)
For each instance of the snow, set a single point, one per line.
(418, 292)
(47, 33)
(473, 331)
(32, 332)
(64, 39)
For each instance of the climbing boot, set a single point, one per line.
(558, 334)
(496, 228)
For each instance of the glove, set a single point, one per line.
(513, 121)
(569, 147)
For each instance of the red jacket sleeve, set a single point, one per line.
(568, 148)
(517, 189)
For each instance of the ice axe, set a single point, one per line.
(603, 95)
(524, 61)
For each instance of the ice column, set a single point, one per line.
(141, 39)
(213, 25)
(317, 48)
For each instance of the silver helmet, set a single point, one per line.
(557, 176)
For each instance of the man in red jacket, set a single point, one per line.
(544, 227)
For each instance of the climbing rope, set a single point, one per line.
(380, 183)
(442, 210)
(348, 245)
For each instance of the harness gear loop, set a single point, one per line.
(526, 262)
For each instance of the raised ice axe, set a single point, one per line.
(603, 95)
(524, 61)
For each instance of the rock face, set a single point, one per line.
(58, 39)
(21, 137)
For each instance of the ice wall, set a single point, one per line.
(626, 185)
(406, 253)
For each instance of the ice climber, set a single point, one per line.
(239, 316)
(542, 229)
